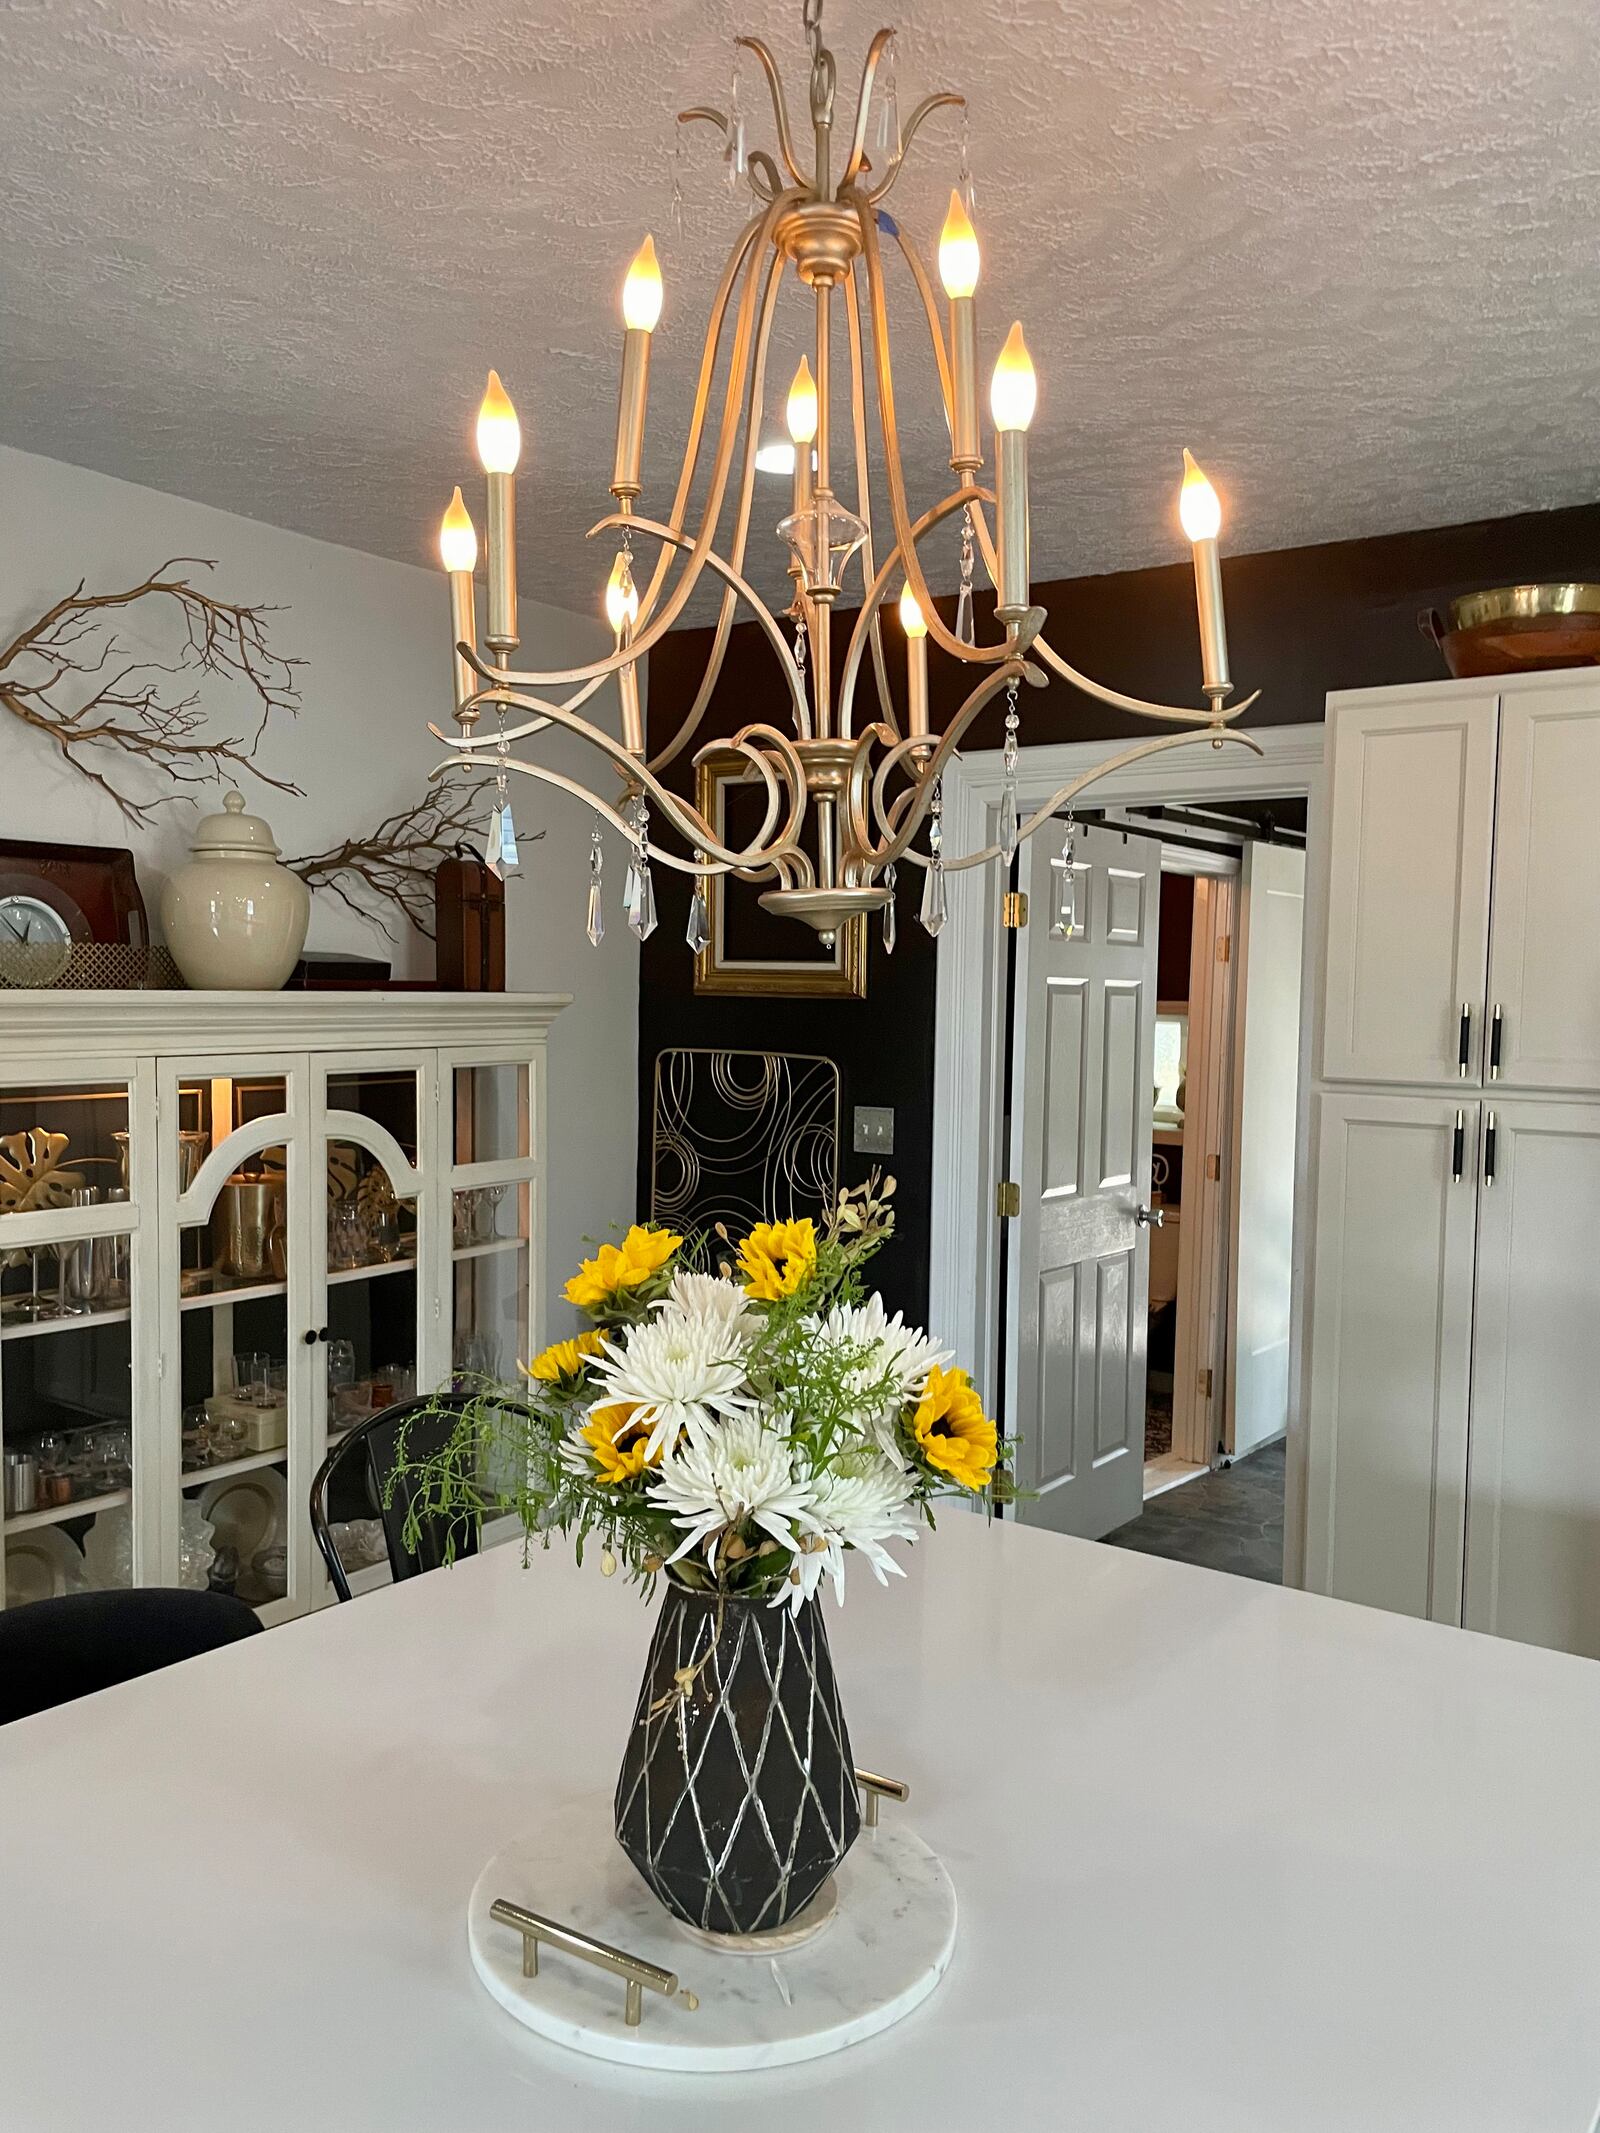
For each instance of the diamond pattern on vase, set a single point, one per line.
(737, 1796)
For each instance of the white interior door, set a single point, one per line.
(1266, 1085)
(1410, 829)
(1533, 1485)
(1544, 968)
(1391, 1350)
(1082, 1097)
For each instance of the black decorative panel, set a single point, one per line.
(737, 1797)
(742, 1137)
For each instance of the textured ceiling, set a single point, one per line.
(261, 252)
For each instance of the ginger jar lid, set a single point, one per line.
(234, 834)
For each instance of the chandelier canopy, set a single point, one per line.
(845, 803)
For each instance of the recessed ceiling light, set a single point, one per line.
(775, 458)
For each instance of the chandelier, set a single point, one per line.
(845, 805)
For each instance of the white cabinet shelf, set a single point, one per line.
(217, 1112)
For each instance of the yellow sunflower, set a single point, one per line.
(618, 1267)
(777, 1258)
(954, 1433)
(617, 1443)
(563, 1361)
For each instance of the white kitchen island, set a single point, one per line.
(1228, 1859)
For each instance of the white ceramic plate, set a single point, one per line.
(42, 1565)
(248, 1512)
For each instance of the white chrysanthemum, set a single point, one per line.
(729, 1474)
(858, 1501)
(720, 1306)
(678, 1371)
(901, 1354)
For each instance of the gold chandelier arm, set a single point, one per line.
(742, 586)
(973, 654)
(858, 411)
(908, 134)
(858, 139)
(752, 410)
(898, 834)
(780, 110)
(908, 252)
(512, 733)
(785, 853)
(1071, 790)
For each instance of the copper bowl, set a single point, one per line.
(1518, 629)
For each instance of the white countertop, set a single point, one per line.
(1227, 1858)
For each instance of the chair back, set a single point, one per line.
(53, 1651)
(364, 1461)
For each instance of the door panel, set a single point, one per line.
(1411, 817)
(1081, 1126)
(1544, 969)
(1533, 1567)
(1391, 1353)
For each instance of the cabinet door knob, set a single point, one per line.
(310, 1336)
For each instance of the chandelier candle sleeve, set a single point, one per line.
(1200, 510)
(641, 309)
(914, 623)
(958, 270)
(499, 449)
(622, 612)
(1012, 395)
(458, 551)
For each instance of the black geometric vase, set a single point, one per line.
(737, 1796)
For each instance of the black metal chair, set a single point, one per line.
(54, 1651)
(354, 1481)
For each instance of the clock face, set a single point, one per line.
(29, 922)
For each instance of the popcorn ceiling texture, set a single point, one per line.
(261, 252)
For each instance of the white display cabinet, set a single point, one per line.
(231, 1225)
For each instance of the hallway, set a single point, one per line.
(1231, 1520)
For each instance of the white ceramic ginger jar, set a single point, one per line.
(235, 919)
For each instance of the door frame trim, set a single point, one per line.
(964, 1303)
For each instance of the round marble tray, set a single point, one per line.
(880, 1956)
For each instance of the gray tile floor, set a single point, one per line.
(1231, 1520)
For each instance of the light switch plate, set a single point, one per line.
(874, 1129)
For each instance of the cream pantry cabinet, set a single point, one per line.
(1453, 1333)
(230, 1226)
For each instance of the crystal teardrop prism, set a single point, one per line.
(966, 629)
(933, 903)
(698, 931)
(890, 923)
(1007, 835)
(597, 913)
(886, 122)
(641, 901)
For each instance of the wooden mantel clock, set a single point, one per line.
(59, 903)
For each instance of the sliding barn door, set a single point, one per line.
(1081, 1106)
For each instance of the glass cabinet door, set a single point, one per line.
(494, 1179)
(236, 1315)
(73, 1449)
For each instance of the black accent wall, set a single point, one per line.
(1301, 622)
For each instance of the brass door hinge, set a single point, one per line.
(1224, 948)
(1007, 1200)
(1205, 1384)
(1014, 910)
(1214, 1168)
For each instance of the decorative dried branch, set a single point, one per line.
(128, 708)
(395, 862)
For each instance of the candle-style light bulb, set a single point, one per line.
(458, 539)
(802, 408)
(622, 596)
(641, 291)
(958, 252)
(915, 624)
(912, 619)
(1014, 388)
(499, 431)
(1199, 506)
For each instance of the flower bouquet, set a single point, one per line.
(741, 1420)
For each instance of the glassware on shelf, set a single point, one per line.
(475, 1216)
(21, 1483)
(250, 1371)
(347, 1237)
(344, 1409)
(251, 1211)
(383, 1233)
(230, 1437)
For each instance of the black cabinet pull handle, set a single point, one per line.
(310, 1337)
(1490, 1136)
(1458, 1148)
(1494, 1044)
(322, 1333)
(1464, 1043)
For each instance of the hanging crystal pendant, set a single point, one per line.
(1008, 821)
(734, 155)
(491, 843)
(964, 181)
(889, 922)
(934, 912)
(1064, 916)
(966, 629)
(596, 926)
(698, 931)
(641, 898)
(886, 125)
(508, 838)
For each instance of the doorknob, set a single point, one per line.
(1150, 1217)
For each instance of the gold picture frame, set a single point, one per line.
(817, 975)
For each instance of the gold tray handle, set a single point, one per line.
(874, 1789)
(636, 1973)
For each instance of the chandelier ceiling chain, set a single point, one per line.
(843, 807)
